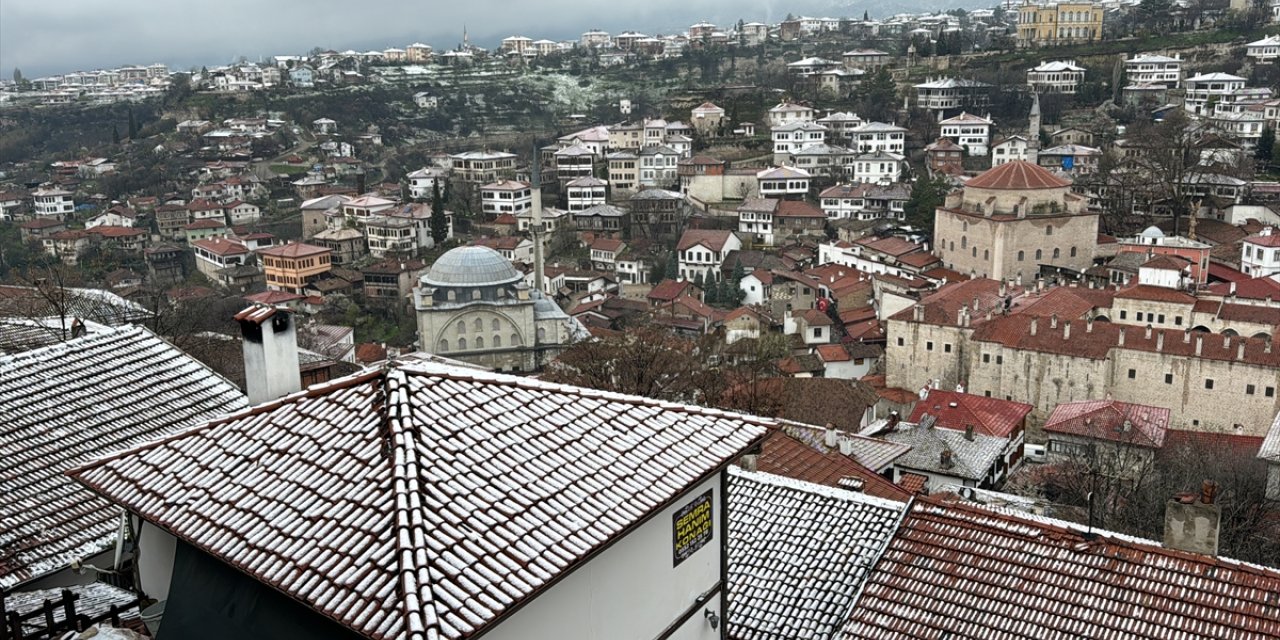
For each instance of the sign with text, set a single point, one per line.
(691, 528)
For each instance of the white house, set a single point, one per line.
(1008, 150)
(969, 131)
(879, 167)
(789, 112)
(240, 212)
(782, 182)
(878, 136)
(1202, 88)
(324, 125)
(792, 136)
(426, 100)
(1264, 50)
(506, 196)
(707, 118)
(1260, 256)
(423, 181)
(1154, 69)
(701, 252)
(1059, 76)
(658, 166)
(755, 219)
(53, 203)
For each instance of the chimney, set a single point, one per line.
(1120, 337)
(1192, 525)
(1199, 345)
(846, 447)
(968, 432)
(893, 420)
(1018, 281)
(1066, 331)
(270, 344)
(1232, 289)
(944, 459)
(1240, 350)
(1004, 288)
(1088, 325)
(1226, 342)
(829, 438)
(1186, 336)
(1053, 321)
(1160, 341)
(749, 462)
(1147, 333)
(1266, 346)
(1034, 322)
(918, 313)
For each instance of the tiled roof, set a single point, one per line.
(669, 290)
(798, 209)
(989, 416)
(92, 600)
(294, 250)
(98, 305)
(970, 459)
(68, 403)
(1153, 293)
(833, 353)
(943, 306)
(1017, 175)
(1270, 449)
(797, 554)
(962, 570)
(709, 238)
(422, 500)
(873, 453)
(1105, 419)
(1068, 303)
(786, 456)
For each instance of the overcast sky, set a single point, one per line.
(44, 37)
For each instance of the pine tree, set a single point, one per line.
(866, 17)
(1266, 146)
(133, 126)
(439, 221)
(712, 295)
(17, 75)
(672, 270)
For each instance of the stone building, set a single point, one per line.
(1014, 220)
(473, 305)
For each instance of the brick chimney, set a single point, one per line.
(270, 345)
(1193, 525)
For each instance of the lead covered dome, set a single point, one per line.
(471, 267)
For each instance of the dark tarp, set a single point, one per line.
(209, 600)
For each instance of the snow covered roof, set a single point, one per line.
(68, 403)
(964, 570)
(98, 305)
(798, 553)
(422, 500)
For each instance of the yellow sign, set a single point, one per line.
(691, 527)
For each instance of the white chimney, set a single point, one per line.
(270, 353)
(829, 438)
(846, 446)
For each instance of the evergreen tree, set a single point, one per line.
(133, 126)
(878, 96)
(439, 221)
(17, 75)
(866, 17)
(698, 282)
(1266, 146)
(672, 270)
(926, 196)
(712, 295)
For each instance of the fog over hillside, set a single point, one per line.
(43, 38)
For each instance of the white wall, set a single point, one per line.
(631, 591)
(155, 561)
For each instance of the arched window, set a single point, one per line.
(1057, 253)
(515, 340)
(462, 344)
(462, 327)
(497, 341)
(443, 347)
(479, 342)
(1022, 256)
(542, 335)
(1073, 252)
(1048, 231)
(450, 295)
(964, 225)
(953, 245)
(964, 242)
(1039, 254)
(974, 252)
(495, 325)
(986, 254)
(478, 324)
(475, 295)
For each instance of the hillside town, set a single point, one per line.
(959, 324)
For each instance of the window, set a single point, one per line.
(900, 342)
(1160, 318)
(1139, 316)
(1123, 314)
(1177, 320)
(462, 344)
(1133, 374)
(1073, 252)
(946, 348)
(999, 359)
(1039, 254)
(1057, 253)
(1021, 255)
(1168, 378)
(986, 357)
(1250, 389)
(928, 346)
(1048, 231)
(1208, 383)
(1269, 392)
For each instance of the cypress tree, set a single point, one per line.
(439, 221)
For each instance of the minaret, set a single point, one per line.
(535, 180)
(1033, 134)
